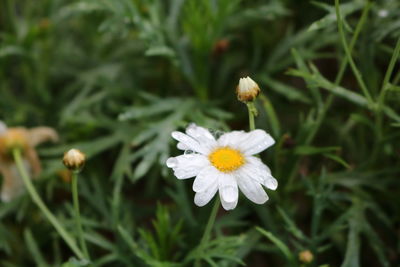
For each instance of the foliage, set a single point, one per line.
(115, 78)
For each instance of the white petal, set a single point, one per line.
(251, 189)
(271, 183)
(3, 128)
(202, 198)
(249, 143)
(189, 142)
(231, 139)
(255, 141)
(201, 135)
(258, 171)
(228, 189)
(247, 84)
(187, 166)
(228, 205)
(182, 146)
(207, 177)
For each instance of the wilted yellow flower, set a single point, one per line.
(74, 159)
(247, 90)
(25, 140)
(14, 138)
(306, 256)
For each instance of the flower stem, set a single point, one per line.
(77, 213)
(252, 113)
(353, 66)
(388, 74)
(39, 202)
(207, 230)
(322, 114)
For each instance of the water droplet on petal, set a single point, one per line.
(271, 183)
(172, 162)
(188, 152)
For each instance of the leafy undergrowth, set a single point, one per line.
(115, 78)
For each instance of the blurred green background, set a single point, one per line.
(116, 77)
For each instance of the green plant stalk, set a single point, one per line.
(39, 202)
(252, 113)
(75, 199)
(388, 74)
(353, 66)
(340, 74)
(396, 78)
(12, 15)
(338, 79)
(357, 31)
(381, 100)
(207, 230)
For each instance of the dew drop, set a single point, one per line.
(172, 162)
(188, 152)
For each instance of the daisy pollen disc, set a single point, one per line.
(226, 159)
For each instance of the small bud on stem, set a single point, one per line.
(74, 160)
(247, 90)
(306, 256)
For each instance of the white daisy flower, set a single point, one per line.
(225, 165)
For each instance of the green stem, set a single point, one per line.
(78, 222)
(388, 74)
(396, 78)
(209, 226)
(357, 31)
(252, 113)
(39, 202)
(330, 98)
(349, 57)
(381, 102)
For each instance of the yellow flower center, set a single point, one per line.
(226, 159)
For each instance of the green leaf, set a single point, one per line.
(34, 249)
(352, 256)
(279, 244)
(312, 150)
(291, 93)
(291, 226)
(325, 84)
(271, 115)
(330, 19)
(338, 160)
(75, 263)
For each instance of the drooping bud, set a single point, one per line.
(13, 138)
(306, 256)
(74, 160)
(247, 90)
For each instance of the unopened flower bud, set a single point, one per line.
(306, 256)
(247, 90)
(220, 47)
(74, 160)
